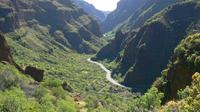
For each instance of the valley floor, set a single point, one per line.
(93, 92)
(108, 73)
(89, 80)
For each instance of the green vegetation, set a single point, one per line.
(51, 50)
(188, 50)
(63, 65)
(92, 91)
(189, 98)
(186, 56)
(148, 102)
(54, 18)
(19, 93)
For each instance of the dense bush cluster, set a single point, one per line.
(189, 51)
(189, 98)
(149, 101)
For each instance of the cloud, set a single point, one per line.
(105, 5)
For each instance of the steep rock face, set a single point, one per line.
(111, 50)
(59, 15)
(139, 17)
(90, 9)
(148, 53)
(125, 9)
(146, 11)
(9, 23)
(5, 54)
(184, 63)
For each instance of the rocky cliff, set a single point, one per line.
(146, 11)
(5, 54)
(136, 20)
(148, 53)
(125, 9)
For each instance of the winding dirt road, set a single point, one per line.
(108, 73)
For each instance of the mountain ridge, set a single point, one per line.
(61, 18)
(90, 9)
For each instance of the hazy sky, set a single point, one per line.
(105, 5)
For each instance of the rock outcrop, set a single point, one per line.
(5, 54)
(35, 73)
(67, 87)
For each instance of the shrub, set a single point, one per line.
(8, 80)
(65, 106)
(152, 98)
(59, 92)
(189, 98)
(14, 100)
(149, 101)
(40, 93)
(52, 83)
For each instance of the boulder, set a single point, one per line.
(67, 87)
(35, 73)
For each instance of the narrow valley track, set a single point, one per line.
(108, 73)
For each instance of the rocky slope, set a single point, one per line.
(114, 49)
(146, 11)
(137, 20)
(90, 9)
(5, 54)
(72, 26)
(148, 53)
(6, 57)
(133, 17)
(125, 9)
(111, 50)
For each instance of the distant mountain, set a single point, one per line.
(146, 11)
(125, 9)
(106, 13)
(90, 9)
